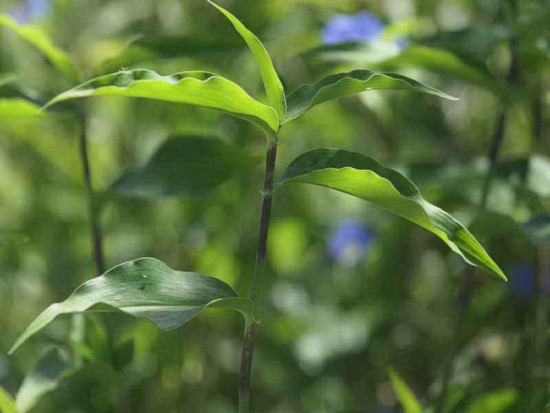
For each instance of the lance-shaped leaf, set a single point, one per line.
(363, 177)
(7, 404)
(145, 288)
(193, 88)
(343, 84)
(17, 109)
(183, 166)
(35, 36)
(52, 368)
(406, 397)
(273, 86)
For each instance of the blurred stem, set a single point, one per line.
(97, 234)
(261, 254)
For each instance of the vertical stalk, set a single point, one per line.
(97, 234)
(261, 254)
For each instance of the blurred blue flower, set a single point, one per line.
(523, 280)
(31, 10)
(349, 241)
(360, 27)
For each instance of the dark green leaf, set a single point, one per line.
(194, 88)
(343, 84)
(406, 397)
(363, 177)
(182, 166)
(145, 288)
(35, 36)
(45, 378)
(272, 83)
(7, 404)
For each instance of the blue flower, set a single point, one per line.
(523, 281)
(360, 27)
(31, 10)
(349, 241)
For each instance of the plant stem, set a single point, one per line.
(97, 234)
(261, 254)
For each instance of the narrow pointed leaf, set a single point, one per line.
(182, 166)
(406, 397)
(145, 288)
(273, 86)
(363, 177)
(7, 404)
(343, 84)
(36, 36)
(193, 88)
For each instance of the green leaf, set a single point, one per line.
(442, 62)
(406, 397)
(182, 166)
(273, 86)
(499, 401)
(363, 177)
(7, 404)
(343, 84)
(6, 78)
(193, 88)
(145, 288)
(17, 109)
(45, 378)
(35, 36)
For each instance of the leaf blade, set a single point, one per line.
(193, 88)
(406, 397)
(41, 41)
(146, 288)
(272, 84)
(182, 166)
(335, 86)
(361, 176)
(7, 404)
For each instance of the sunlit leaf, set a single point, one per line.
(182, 166)
(343, 84)
(273, 86)
(193, 88)
(17, 109)
(406, 397)
(35, 36)
(45, 378)
(145, 288)
(7, 404)
(363, 177)
(494, 402)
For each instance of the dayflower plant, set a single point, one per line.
(151, 289)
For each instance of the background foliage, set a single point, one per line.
(351, 290)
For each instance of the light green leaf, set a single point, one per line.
(145, 288)
(182, 166)
(45, 378)
(406, 397)
(17, 109)
(499, 401)
(6, 78)
(273, 86)
(343, 84)
(193, 88)
(7, 404)
(35, 36)
(363, 177)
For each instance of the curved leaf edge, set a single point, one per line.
(242, 305)
(414, 196)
